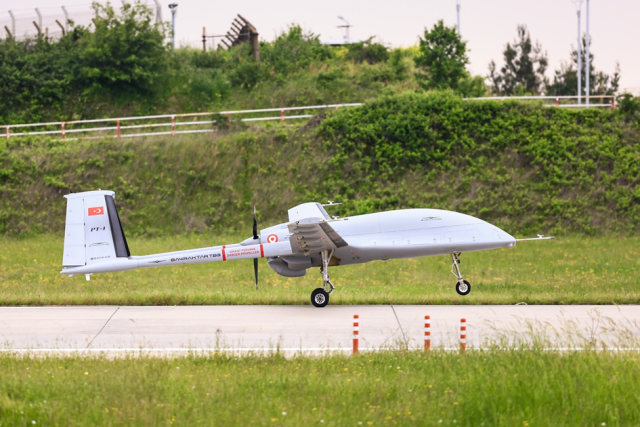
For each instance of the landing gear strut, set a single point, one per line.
(320, 296)
(462, 287)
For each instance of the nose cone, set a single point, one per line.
(509, 240)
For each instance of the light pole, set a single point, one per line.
(174, 9)
(587, 56)
(345, 26)
(578, 4)
(458, 9)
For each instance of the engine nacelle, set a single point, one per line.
(279, 266)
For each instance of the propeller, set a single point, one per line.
(255, 237)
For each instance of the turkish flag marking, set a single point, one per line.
(96, 211)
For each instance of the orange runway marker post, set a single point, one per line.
(356, 330)
(427, 333)
(463, 335)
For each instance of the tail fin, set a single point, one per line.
(93, 232)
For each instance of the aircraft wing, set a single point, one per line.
(314, 236)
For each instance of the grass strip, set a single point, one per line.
(493, 387)
(568, 270)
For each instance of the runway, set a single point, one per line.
(306, 328)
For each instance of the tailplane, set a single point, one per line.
(93, 232)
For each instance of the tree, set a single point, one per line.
(442, 58)
(524, 67)
(565, 80)
(125, 55)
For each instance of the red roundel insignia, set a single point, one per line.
(272, 238)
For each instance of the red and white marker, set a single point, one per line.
(356, 330)
(273, 238)
(463, 335)
(427, 333)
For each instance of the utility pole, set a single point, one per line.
(578, 4)
(66, 19)
(587, 56)
(13, 25)
(346, 27)
(458, 9)
(174, 9)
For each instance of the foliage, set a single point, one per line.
(121, 62)
(524, 67)
(124, 55)
(442, 59)
(367, 51)
(525, 167)
(565, 80)
(497, 387)
(293, 50)
(629, 105)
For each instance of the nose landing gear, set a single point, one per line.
(462, 287)
(320, 296)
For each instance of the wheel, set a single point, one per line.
(464, 289)
(319, 298)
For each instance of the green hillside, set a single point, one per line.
(524, 167)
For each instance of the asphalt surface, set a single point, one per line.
(306, 328)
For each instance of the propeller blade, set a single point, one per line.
(255, 237)
(255, 270)
(255, 223)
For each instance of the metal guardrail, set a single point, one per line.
(557, 100)
(63, 127)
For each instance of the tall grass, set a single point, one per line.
(491, 388)
(568, 270)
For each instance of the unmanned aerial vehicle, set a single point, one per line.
(95, 242)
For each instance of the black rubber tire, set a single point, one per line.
(468, 288)
(319, 298)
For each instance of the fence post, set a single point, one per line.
(63, 133)
(356, 330)
(173, 125)
(463, 335)
(557, 101)
(427, 333)
(613, 104)
(228, 117)
(8, 133)
(282, 116)
(118, 125)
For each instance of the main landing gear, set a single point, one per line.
(320, 296)
(462, 287)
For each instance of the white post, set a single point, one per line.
(578, 4)
(458, 9)
(587, 57)
(66, 19)
(158, 12)
(13, 25)
(39, 17)
(579, 62)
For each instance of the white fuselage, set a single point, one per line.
(408, 233)
(397, 234)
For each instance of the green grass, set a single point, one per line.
(568, 270)
(491, 388)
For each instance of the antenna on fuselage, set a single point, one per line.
(331, 203)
